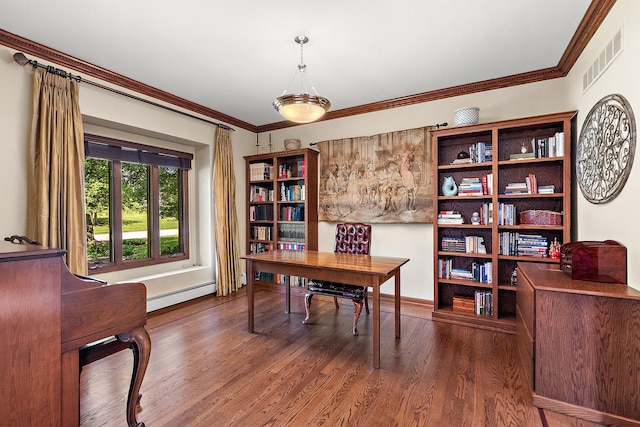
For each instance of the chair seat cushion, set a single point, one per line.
(336, 289)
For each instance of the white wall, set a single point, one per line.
(613, 220)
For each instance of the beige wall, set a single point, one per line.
(414, 241)
(114, 115)
(613, 220)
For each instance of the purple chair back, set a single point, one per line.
(353, 238)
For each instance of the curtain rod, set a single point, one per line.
(437, 126)
(21, 59)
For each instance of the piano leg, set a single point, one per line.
(140, 343)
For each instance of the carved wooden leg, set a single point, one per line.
(357, 305)
(307, 307)
(140, 343)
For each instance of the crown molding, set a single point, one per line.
(596, 13)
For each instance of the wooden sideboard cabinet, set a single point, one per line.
(579, 342)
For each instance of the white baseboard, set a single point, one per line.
(166, 300)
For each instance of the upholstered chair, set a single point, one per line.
(351, 238)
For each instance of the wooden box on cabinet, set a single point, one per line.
(578, 341)
(488, 184)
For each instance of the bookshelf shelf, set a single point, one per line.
(548, 137)
(282, 206)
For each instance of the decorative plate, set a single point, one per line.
(605, 149)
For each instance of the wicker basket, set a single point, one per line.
(291, 144)
(466, 116)
(541, 217)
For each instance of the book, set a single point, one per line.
(519, 156)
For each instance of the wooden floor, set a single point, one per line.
(207, 370)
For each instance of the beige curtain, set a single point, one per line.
(225, 220)
(55, 209)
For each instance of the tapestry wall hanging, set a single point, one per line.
(384, 178)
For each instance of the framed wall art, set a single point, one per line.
(384, 178)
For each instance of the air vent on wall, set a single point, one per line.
(611, 51)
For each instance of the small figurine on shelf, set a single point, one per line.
(475, 218)
(554, 249)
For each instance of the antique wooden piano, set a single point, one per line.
(48, 317)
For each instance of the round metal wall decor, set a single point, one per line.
(605, 149)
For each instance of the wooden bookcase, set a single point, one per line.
(282, 206)
(505, 138)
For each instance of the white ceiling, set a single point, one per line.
(235, 57)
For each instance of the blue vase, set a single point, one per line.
(449, 187)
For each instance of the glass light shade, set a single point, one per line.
(301, 108)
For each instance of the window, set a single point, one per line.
(136, 204)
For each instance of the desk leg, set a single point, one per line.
(250, 276)
(140, 343)
(376, 325)
(287, 299)
(397, 301)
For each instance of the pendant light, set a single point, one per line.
(301, 107)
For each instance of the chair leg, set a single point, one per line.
(307, 307)
(357, 305)
(366, 301)
(335, 301)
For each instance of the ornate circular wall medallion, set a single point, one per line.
(605, 149)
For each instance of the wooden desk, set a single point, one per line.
(363, 270)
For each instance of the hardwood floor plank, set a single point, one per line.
(206, 369)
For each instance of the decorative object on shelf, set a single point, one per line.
(475, 218)
(463, 155)
(383, 178)
(449, 187)
(466, 116)
(301, 107)
(554, 249)
(605, 149)
(291, 144)
(540, 217)
(514, 277)
(523, 148)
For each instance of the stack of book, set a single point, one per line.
(532, 245)
(519, 244)
(461, 273)
(546, 189)
(470, 187)
(453, 244)
(450, 217)
(516, 188)
(521, 156)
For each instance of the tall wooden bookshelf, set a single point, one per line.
(490, 293)
(282, 206)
